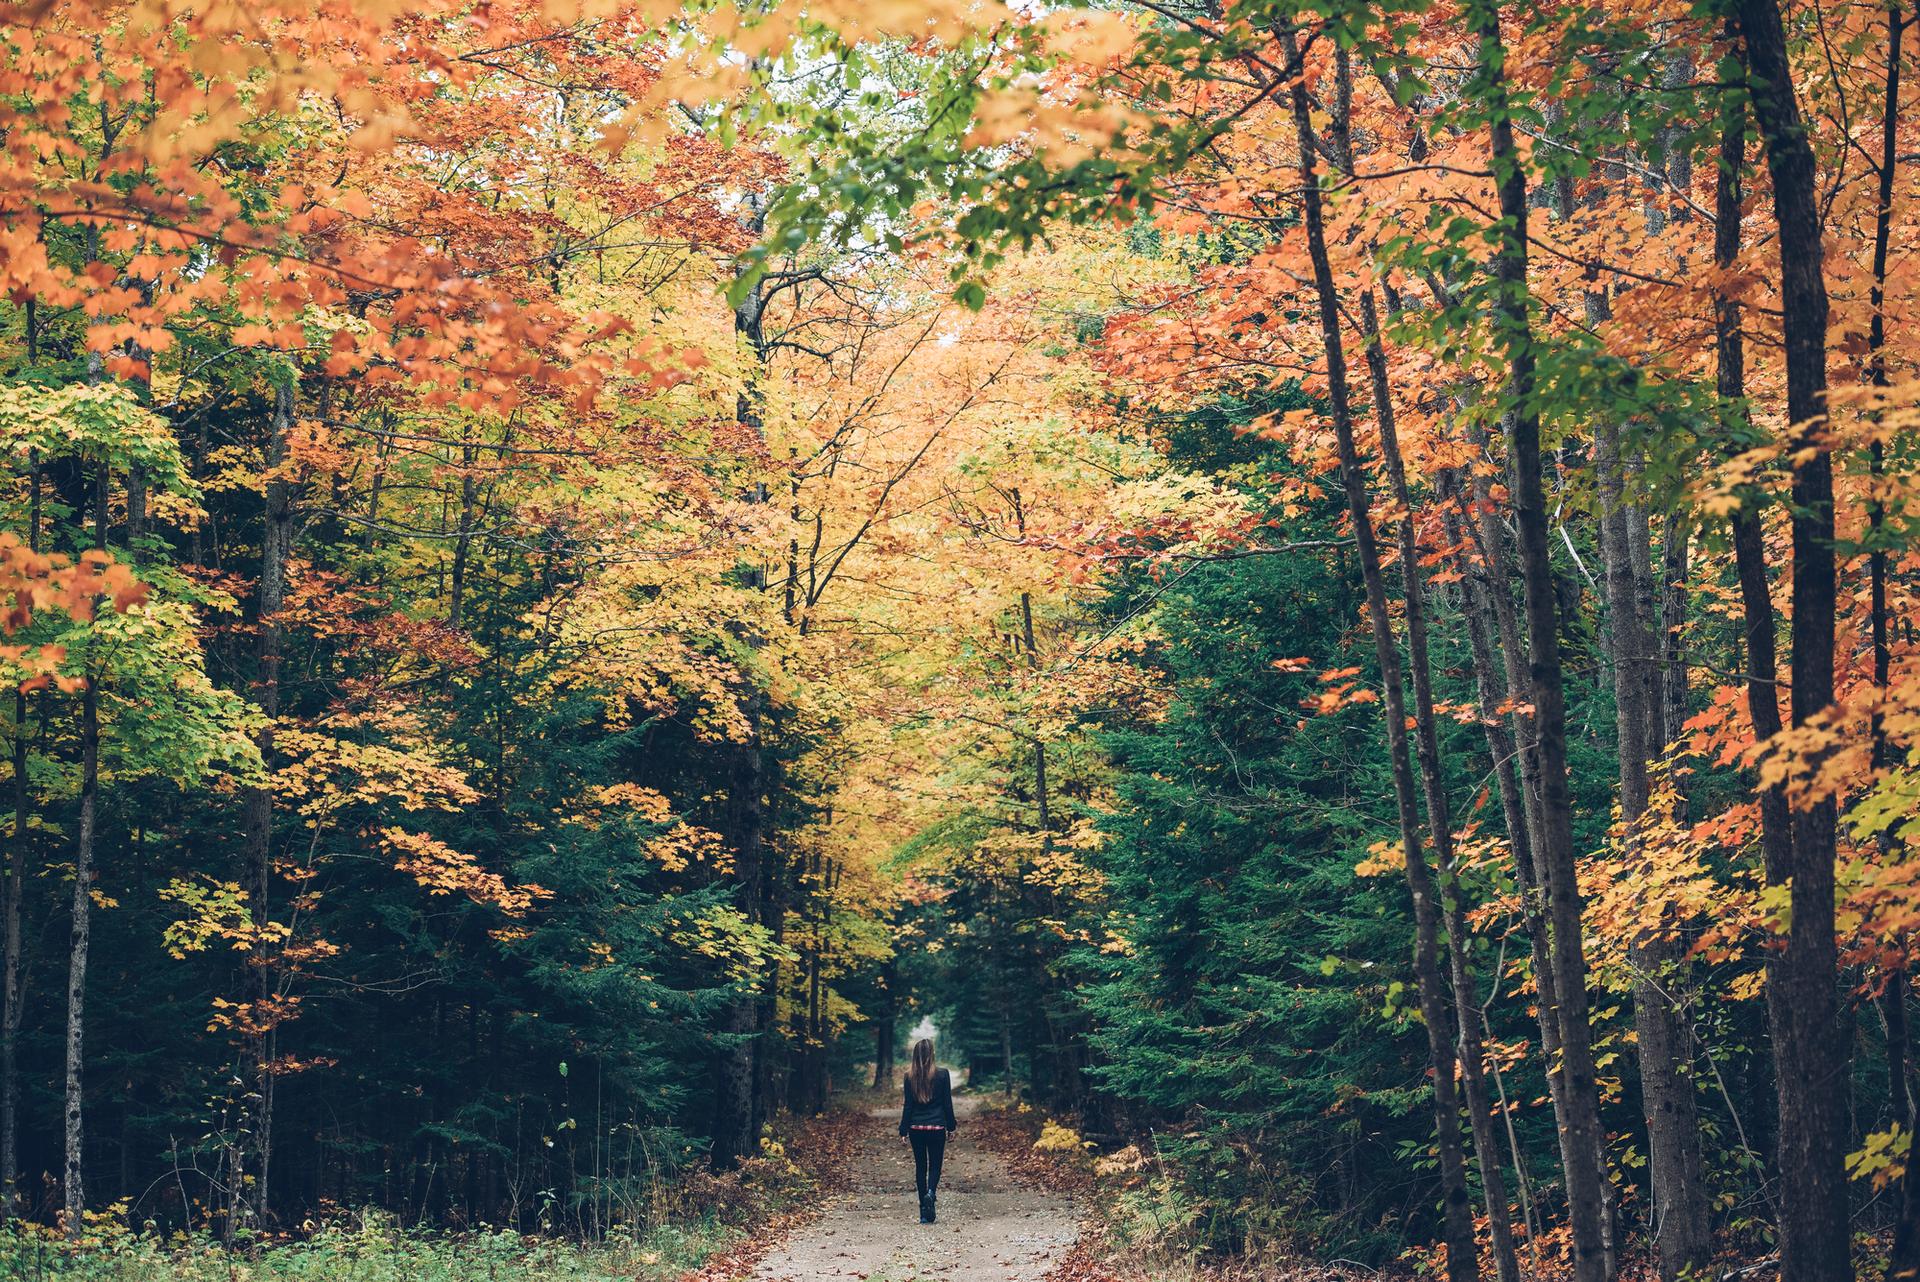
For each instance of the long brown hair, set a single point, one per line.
(920, 1074)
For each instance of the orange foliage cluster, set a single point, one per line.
(33, 582)
(1648, 237)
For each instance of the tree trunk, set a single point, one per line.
(1499, 680)
(1041, 817)
(1490, 541)
(12, 985)
(12, 989)
(1043, 820)
(74, 1185)
(462, 542)
(1903, 1259)
(1586, 1174)
(1472, 1030)
(767, 1096)
(252, 1186)
(740, 1083)
(1492, 691)
(74, 1176)
(1462, 1250)
(733, 1137)
(1810, 1058)
(815, 1097)
(885, 1032)
(1763, 708)
(1679, 1208)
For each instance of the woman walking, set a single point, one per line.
(926, 1119)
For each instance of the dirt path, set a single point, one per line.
(990, 1230)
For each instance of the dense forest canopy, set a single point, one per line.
(1328, 588)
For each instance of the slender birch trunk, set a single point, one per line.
(74, 1130)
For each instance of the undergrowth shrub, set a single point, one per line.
(363, 1248)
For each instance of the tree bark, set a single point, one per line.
(1511, 742)
(1810, 1056)
(12, 985)
(463, 541)
(1492, 690)
(733, 1137)
(1674, 560)
(252, 1186)
(74, 1183)
(884, 1029)
(1006, 1048)
(1043, 819)
(1903, 1258)
(1472, 1029)
(1679, 1207)
(1586, 1174)
(739, 1085)
(1462, 1249)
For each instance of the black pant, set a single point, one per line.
(929, 1150)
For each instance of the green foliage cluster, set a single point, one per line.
(370, 1248)
(1243, 998)
(438, 1057)
(1230, 869)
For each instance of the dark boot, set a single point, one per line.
(926, 1209)
(932, 1213)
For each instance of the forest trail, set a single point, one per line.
(991, 1229)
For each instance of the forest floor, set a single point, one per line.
(994, 1224)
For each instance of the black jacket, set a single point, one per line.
(937, 1111)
